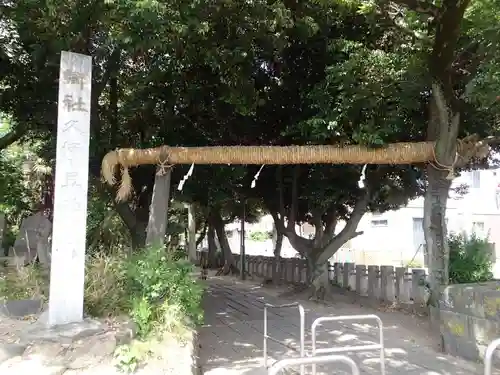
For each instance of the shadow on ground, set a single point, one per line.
(232, 337)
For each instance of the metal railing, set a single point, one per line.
(302, 331)
(280, 365)
(488, 356)
(379, 346)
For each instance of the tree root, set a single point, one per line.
(318, 294)
(227, 269)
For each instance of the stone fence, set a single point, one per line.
(469, 313)
(385, 283)
(470, 319)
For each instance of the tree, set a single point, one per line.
(453, 62)
(343, 73)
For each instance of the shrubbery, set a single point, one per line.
(260, 236)
(470, 259)
(153, 287)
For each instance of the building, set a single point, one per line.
(397, 237)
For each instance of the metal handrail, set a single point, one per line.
(379, 346)
(280, 365)
(488, 356)
(302, 331)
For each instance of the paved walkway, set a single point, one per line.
(232, 337)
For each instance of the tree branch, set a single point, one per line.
(445, 43)
(397, 21)
(467, 63)
(348, 232)
(203, 233)
(317, 221)
(420, 6)
(278, 222)
(11, 137)
(281, 207)
(331, 221)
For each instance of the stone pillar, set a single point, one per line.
(360, 274)
(387, 283)
(237, 259)
(417, 285)
(373, 281)
(399, 282)
(286, 270)
(337, 271)
(250, 263)
(282, 271)
(348, 269)
(295, 270)
(290, 270)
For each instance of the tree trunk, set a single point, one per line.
(136, 227)
(157, 224)
(436, 236)
(229, 261)
(202, 235)
(318, 257)
(443, 127)
(191, 233)
(277, 255)
(212, 247)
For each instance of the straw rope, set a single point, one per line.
(394, 153)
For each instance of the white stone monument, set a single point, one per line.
(71, 185)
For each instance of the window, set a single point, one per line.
(476, 179)
(379, 223)
(418, 233)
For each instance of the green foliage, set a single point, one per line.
(260, 236)
(158, 291)
(413, 264)
(16, 199)
(232, 73)
(163, 292)
(470, 259)
(105, 229)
